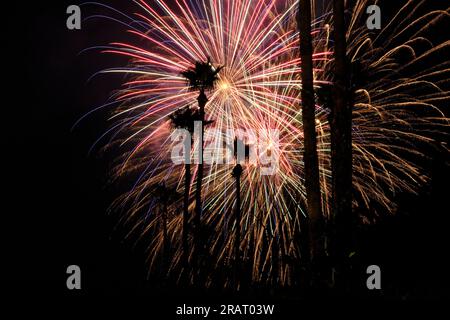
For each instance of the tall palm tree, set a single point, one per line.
(237, 172)
(202, 77)
(185, 118)
(164, 195)
(239, 147)
(315, 227)
(341, 138)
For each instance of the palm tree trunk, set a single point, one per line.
(251, 253)
(165, 240)
(341, 131)
(275, 262)
(187, 186)
(202, 100)
(312, 177)
(237, 243)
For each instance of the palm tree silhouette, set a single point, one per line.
(185, 118)
(164, 195)
(315, 222)
(202, 77)
(239, 147)
(341, 147)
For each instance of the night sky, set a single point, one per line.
(58, 194)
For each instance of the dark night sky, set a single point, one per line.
(57, 196)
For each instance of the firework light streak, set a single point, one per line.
(259, 90)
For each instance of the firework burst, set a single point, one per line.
(259, 90)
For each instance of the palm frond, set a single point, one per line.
(203, 76)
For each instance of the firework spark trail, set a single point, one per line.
(259, 89)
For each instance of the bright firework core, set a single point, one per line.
(224, 85)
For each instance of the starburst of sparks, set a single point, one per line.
(396, 110)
